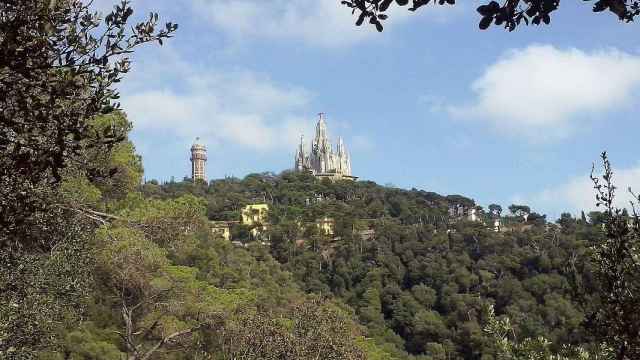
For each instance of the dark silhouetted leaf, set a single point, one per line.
(485, 22)
(384, 5)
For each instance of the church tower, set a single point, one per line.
(343, 164)
(301, 160)
(323, 161)
(198, 161)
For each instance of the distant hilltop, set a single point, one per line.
(322, 161)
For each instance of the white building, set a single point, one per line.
(323, 161)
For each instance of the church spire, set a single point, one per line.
(321, 140)
(323, 159)
(301, 157)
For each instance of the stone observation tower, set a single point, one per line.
(323, 161)
(198, 161)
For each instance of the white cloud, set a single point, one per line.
(578, 193)
(231, 107)
(542, 91)
(325, 23)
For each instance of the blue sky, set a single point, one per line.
(431, 103)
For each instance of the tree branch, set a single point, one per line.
(165, 340)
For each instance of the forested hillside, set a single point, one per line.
(97, 264)
(399, 276)
(148, 280)
(420, 284)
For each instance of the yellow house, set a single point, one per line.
(255, 214)
(326, 225)
(221, 228)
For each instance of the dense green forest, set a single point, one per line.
(420, 284)
(96, 264)
(148, 279)
(151, 279)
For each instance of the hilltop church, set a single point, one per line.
(322, 161)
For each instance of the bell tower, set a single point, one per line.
(198, 161)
